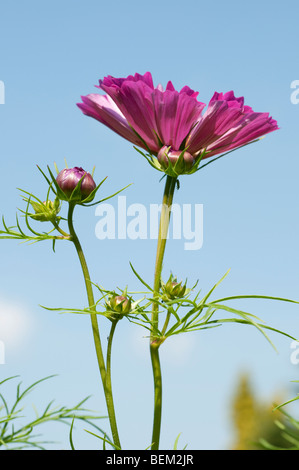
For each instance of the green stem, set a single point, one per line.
(108, 362)
(163, 331)
(108, 383)
(154, 343)
(63, 233)
(95, 329)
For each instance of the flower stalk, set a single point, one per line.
(105, 373)
(154, 342)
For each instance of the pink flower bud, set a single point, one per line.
(69, 178)
(166, 155)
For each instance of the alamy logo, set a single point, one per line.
(295, 353)
(140, 222)
(295, 93)
(2, 92)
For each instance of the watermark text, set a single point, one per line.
(295, 354)
(138, 221)
(295, 94)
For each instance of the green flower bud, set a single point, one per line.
(119, 304)
(46, 211)
(173, 289)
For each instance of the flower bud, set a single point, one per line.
(119, 304)
(45, 211)
(68, 180)
(173, 289)
(166, 155)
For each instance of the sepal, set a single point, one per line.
(174, 169)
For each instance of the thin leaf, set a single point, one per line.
(266, 297)
(140, 278)
(104, 440)
(106, 198)
(224, 154)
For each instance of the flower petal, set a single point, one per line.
(102, 108)
(251, 127)
(133, 97)
(158, 116)
(223, 113)
(110, 81)
(175, 115)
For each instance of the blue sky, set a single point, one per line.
(52, 53)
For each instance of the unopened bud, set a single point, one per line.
(119, 304)
(45, 211)
(68, 180)
(173, 289)
(166, 155)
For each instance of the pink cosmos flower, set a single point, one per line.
(153, 118)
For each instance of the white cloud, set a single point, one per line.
(176, 350)
(15, 323)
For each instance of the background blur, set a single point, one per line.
(52, 53)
